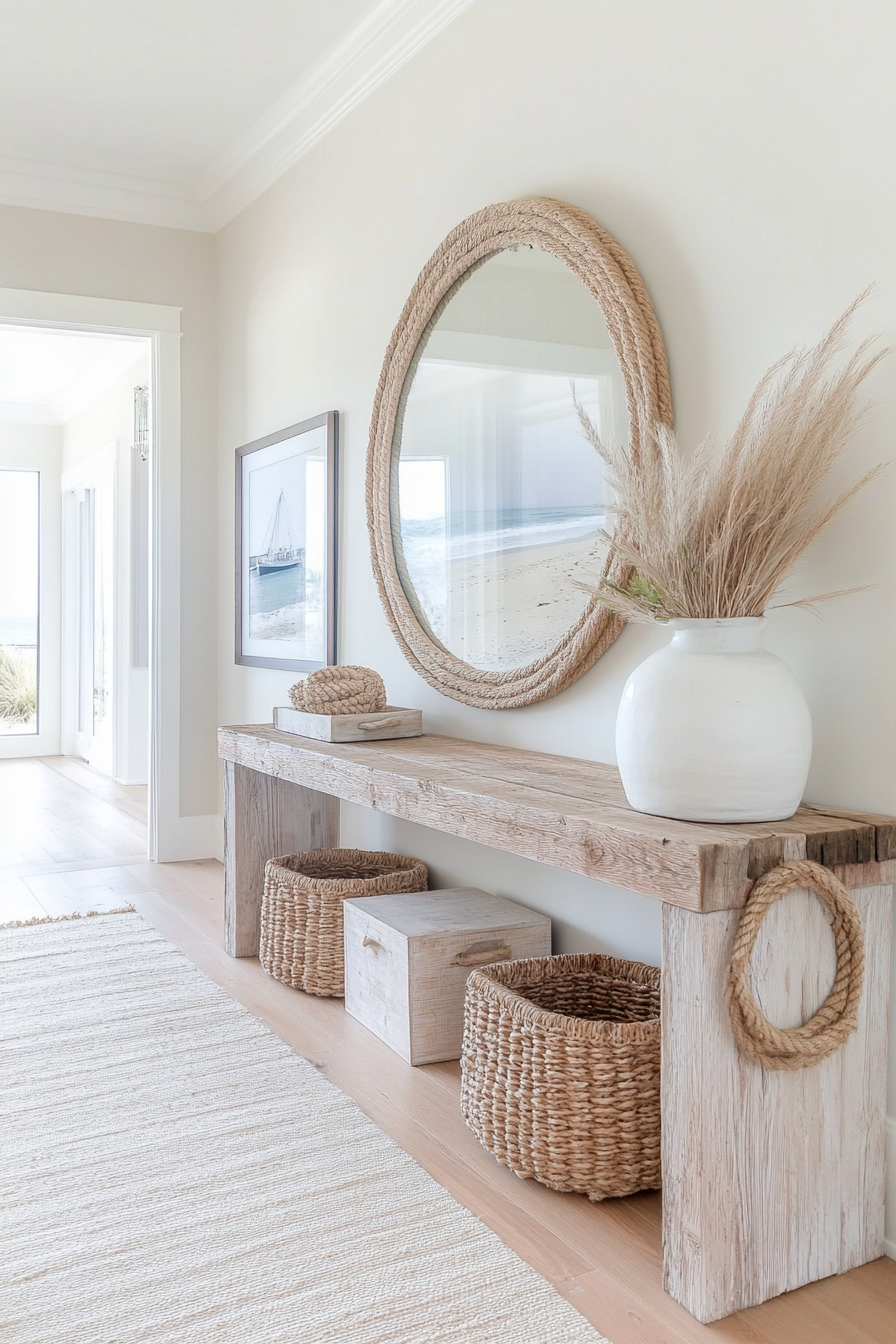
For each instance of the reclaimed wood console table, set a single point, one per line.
(770, 1180)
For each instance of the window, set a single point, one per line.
(19, 583)
(423, 496)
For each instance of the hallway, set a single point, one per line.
(67, 837)
(72, 842)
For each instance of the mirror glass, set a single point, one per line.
(500, 496)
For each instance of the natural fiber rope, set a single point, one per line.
(611, 276)
(798, 1047)
(340, 690)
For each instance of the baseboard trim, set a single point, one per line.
(194, 838)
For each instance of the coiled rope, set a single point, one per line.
(797, 1047)
(340, 690)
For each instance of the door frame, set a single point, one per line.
(75, 480)
(170, 836)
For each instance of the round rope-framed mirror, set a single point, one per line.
(485, 504)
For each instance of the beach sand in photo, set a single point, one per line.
(511, 607)
(294, 623)
(282, 623)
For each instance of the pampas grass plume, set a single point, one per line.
(715, 535)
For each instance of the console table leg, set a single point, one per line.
(770, 1179)
(265, 817)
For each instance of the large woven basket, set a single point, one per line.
(301, 910)
(561, 1071)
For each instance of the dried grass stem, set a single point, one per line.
(709, 536)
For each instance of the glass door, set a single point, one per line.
(94, 521)
(19, 601)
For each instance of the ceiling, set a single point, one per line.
(181, 112)
(46, 377)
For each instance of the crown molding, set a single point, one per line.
(80, 191)
(388, 36)
(384, 40)
(29, 413)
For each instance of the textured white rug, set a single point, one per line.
(174, 1173)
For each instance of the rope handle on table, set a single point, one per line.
(797, 1047)
(380, 723)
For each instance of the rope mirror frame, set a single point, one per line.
(791, 1048)
(612, 278)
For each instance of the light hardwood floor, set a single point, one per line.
(605, 1258)
(65, 832)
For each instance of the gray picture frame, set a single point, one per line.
(330, 420)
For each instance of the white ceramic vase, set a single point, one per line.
(714, 727)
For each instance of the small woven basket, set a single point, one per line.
(561, 1071)
(301, 910)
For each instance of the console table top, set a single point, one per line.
(568, 813)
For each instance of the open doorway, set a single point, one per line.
(75, 461)
(171, 836)
(19, 599)
(105, 591)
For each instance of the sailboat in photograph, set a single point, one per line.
(280, 549)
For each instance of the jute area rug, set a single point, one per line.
(174, 1173)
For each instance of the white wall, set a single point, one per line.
(70, 254)
(39, 447)
(109, 419)
(109, 416)
(743, 154)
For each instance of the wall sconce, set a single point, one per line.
(141, 421)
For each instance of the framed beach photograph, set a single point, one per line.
(286, 548)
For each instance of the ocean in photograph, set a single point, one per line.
(498, 588)
(277, 602)
(287, 604)
(284, 553)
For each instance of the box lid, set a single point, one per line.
(453, 910)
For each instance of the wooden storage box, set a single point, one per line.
(391, 722)
(407, 959)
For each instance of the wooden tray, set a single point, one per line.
(392, 722)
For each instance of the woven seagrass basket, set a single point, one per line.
(561, 1071)
(301, 910)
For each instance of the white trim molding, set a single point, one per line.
(81, 191)
(77, 312)
(385, 39)
(171, 836)
(389, 34)
(197, 838)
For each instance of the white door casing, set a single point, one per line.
(171, 837)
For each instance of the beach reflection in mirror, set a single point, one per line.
(285, 548)
(500, 498)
